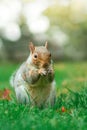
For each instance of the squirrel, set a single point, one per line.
(34, 81)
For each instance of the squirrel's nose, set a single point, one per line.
(45, 65)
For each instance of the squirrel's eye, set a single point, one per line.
(35, 56)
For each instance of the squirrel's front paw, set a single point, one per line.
(42, 72)
(50, 71)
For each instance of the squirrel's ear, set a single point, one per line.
(46, 44)
(31, 47)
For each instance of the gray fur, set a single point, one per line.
(43, 87)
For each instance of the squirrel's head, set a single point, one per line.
(40, 55)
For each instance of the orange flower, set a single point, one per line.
(63, 109)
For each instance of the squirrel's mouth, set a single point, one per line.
(40, 64)
(45, 65)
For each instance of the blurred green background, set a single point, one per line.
(63, 23)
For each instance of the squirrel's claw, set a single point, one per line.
(42, 72)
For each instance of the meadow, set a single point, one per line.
(69, 112)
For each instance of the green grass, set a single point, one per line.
(71, 83)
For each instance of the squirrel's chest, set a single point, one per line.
(41, 83)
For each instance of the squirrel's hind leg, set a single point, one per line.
(22, 95)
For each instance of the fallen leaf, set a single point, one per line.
(5, 94)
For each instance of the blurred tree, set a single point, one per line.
(74, 24)
(67, 33)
